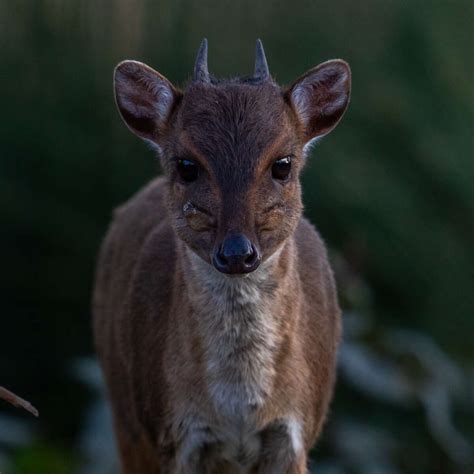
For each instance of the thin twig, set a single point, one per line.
(16, 401)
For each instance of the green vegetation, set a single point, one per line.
(38, 458)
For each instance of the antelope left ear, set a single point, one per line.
(144, 98)
(321, 96)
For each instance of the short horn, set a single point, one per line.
(261, 66)
(201, 72)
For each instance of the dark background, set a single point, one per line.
(391, 191)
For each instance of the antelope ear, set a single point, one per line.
(320, 97)
(144, 98)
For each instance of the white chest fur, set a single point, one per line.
(239, 334)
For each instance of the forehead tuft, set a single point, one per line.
(232, 120)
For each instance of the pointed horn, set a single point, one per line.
(261, 66)
(201, 73)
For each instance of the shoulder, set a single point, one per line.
(138, 223)
(145, 211)
(313, 262)
(309, 243)
(149, 197)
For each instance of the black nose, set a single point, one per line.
(236, 255)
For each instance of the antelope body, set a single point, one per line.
(215, 311)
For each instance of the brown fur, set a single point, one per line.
(159, 320)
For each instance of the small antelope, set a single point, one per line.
(215, 310)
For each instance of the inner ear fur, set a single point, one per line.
(144, 98)
(321, 96)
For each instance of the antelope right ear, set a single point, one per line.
(320, 97)
(144, 98)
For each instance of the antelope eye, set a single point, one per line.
(281, 168)
(188, 170)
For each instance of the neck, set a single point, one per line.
(240, 325)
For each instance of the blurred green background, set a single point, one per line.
(391, 191)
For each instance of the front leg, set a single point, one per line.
(207, 463)
(199, 451)
(282, 450)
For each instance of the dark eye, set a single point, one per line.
(281, 168)
(188, 170)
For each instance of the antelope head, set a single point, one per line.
(232, 150)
